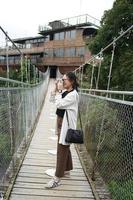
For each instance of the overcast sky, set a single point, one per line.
(22, 17)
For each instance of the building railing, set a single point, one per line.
(16, 61)
(72, 21)
(13, 51)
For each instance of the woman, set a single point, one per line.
(65, 101)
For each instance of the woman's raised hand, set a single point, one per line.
(60, 85)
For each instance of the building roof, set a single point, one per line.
(85, 27)
(22, 40)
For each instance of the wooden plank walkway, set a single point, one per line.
(31, 179)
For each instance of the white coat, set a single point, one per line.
(70, 103)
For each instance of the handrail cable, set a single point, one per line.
(11, 40)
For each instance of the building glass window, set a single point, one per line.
(59, 36)
(55, 53)
(46, 52)
(11, 60)
(56, 36)
(35, 41)
(28, 46)
(68, 35)
(62, 36)
(42, 40)
(71, 34)
(46, 38)
(2, 59)
(16, 59)
(80, 51)
(50, 54)
(27, 42)
(58, 52)
(23, 46)
(70, 52)
(61, 52)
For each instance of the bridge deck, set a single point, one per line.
(31, 179)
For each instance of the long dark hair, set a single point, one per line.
(72, 77)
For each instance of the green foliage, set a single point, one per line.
(17, 73)
(113, 23)
(5, 146)
(122, 191)
(27, 70)
(5, 154)
(87, 76)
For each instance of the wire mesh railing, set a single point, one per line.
(108, 133)
(106, 101)
(22, 92)
(19, 109)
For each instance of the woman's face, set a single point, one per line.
(66, 82)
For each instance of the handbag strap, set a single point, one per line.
(67, 118)
(79, 118)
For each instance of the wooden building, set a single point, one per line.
(61, 44)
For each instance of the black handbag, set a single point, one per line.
(74, 136)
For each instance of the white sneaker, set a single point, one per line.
(54, 182)
(1, 196)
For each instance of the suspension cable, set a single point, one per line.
(111, 64)
(92, 74)
(82, 69)
(99, 68)
(10, 40)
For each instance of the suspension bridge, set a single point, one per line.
(102, 166)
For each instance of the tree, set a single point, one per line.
(113, 23)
